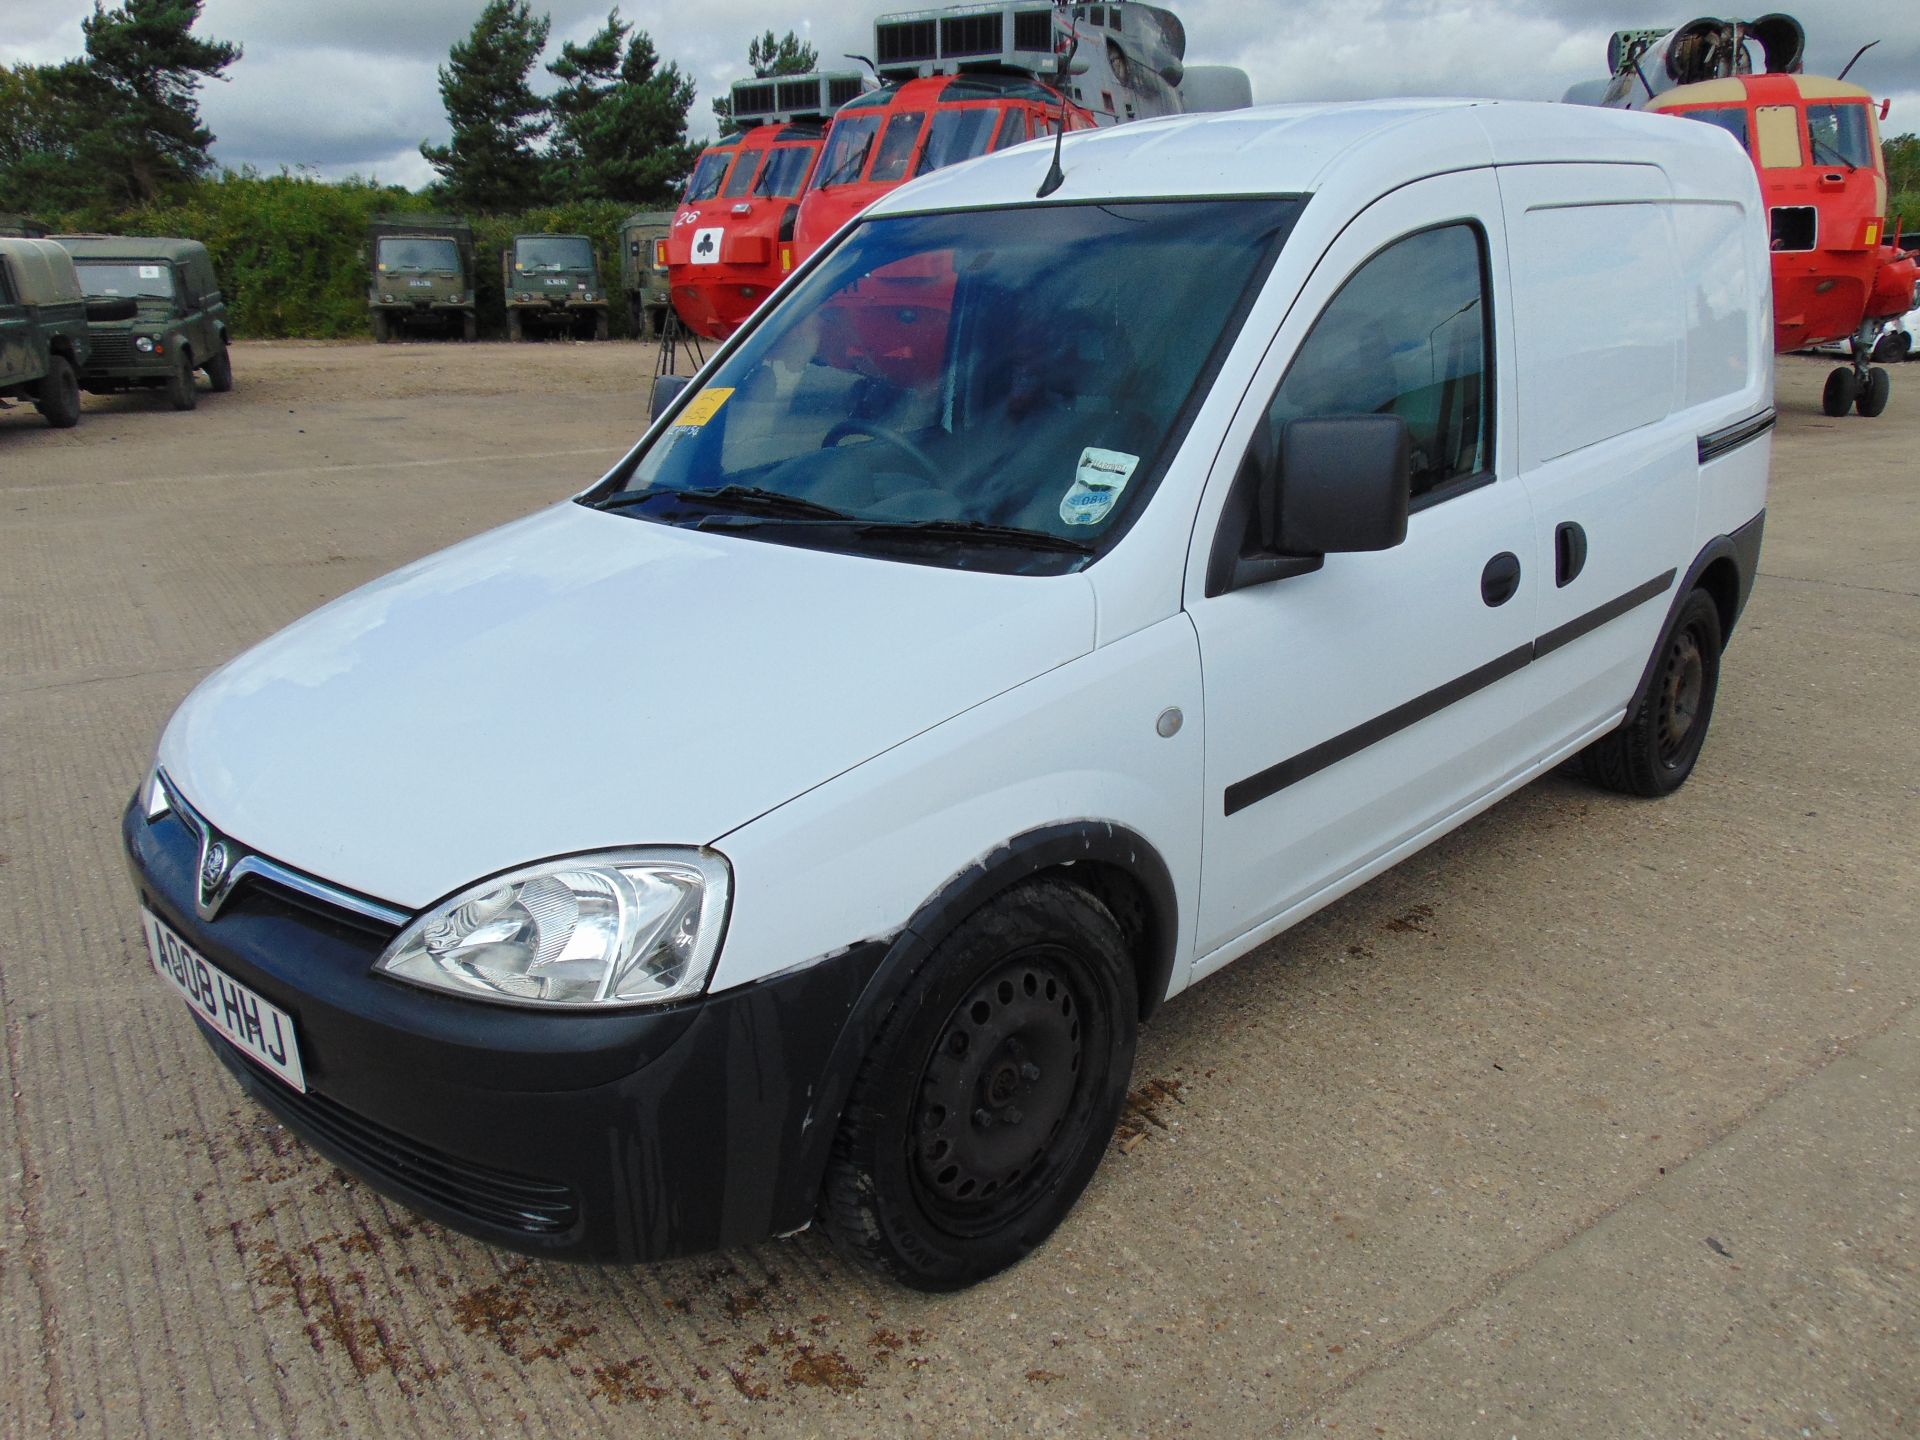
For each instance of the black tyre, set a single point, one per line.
(600, 325)
(220, 372)
(516, 332)
(382, 328)
(469, 328)
(1889, 348)
(58, 396)
(1654, 750)
(181, 392)
(1837, 398)
(1873, 395)
(989, 1095)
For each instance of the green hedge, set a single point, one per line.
(287, 248)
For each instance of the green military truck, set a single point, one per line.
(178, 323)
(24, 226)
(421, 275)
(552, 283)
(643, 271)
(44, 340)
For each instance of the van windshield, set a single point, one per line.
(996, 389)
(146, 279)
(419, 254)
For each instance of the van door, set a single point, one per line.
(1601, 370)
(1352, 709)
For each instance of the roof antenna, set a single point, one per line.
(868, 63)
(1056, 177)
(1856, 56)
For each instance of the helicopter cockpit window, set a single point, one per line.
(991, 389)
(956, 135)
(1732, 119)
(740, 182)
(708, 174)
(896, 147)
(1013, 130)
(1839, 135)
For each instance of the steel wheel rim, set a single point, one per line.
(1683, 683)
(1005, 1095)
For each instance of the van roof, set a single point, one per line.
(1299, 149)
(132, 247)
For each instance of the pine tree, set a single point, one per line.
(620, 118)
(768, 56)
(490, 163)
(120, 125)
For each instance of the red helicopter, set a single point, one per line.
(1838, 273)
(960, 82)
(732, 239)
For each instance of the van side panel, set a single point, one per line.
(1611, 468)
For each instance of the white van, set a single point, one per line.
(1041, 605)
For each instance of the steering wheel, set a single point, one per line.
(853, 426)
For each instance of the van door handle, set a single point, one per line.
(1569, 552)
(1501, 579)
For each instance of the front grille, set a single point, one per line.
(486, 1196)
(114, 348)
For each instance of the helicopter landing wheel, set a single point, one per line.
(1872, 396)
(1841, 389)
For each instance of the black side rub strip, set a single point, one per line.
(1718, 442)
(1275, 778)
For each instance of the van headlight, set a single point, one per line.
(629, 927)
(144, 344)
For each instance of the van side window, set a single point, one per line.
(1406, 335)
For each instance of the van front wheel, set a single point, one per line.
(1654, 750)
(990, 1094)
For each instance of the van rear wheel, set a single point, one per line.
(1654, 750)
(58, 396)
(220, 372)
(990, 1094)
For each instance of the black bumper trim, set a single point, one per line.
(1716, 443)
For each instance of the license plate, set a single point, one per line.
(421, 284)
(256, 1026)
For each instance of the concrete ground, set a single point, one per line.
(1598, 1118)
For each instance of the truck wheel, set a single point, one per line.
(1653, 751)
(990, 1093)
(382, 328)
(181, 394)
(1873, 396)
(469, 328)
(1837, 398)
(220, 372)
(58, 396)
(516, 331)
(600, 325)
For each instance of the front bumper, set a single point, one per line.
(634, 1135)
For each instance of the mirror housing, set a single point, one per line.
(1344, 485)
(121, 307)
(666, 390)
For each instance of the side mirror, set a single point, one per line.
(1343, 486)
(105, 311)
(633, 248)
(666, 390)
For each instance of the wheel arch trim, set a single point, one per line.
(1725, 570)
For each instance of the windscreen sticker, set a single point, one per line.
(1097, 483)
(703, 407)
(149, 272)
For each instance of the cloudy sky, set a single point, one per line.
(348, 86)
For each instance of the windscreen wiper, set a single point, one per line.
(856, 163)
(1832, 149)
(948, 531)
(738, 499)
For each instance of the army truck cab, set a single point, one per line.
(178, 321)
(643, 271)
(420, 276)
(552, 283)
(43, 329)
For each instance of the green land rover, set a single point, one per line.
(179, 323)
(43, 329)
(643, 270)
(552, 282)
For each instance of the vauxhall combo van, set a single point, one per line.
(1087, 566)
